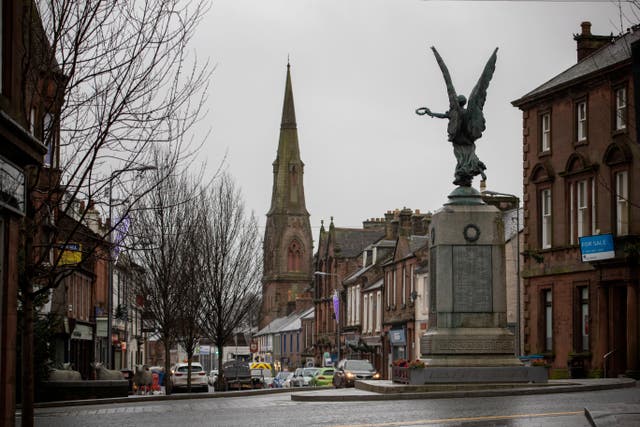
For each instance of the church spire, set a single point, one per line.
(288, 244)
(288, 110)
(288, 169)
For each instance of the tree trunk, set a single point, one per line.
(221, 379)
(167, 368)
(189, 373)
(27, 359)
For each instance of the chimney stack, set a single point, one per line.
(587, 43)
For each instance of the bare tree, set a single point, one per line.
(231, 260)
(190, 306)
(103, 81)
(162, 233)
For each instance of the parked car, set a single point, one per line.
(350, 370)
(179, 375)
(287, 383)
(237, 375)
(213, 377)
(302, 376)
(322, 377)
(281, 379)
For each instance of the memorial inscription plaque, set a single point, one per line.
(472, 278)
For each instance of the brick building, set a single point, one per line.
(357, 265)
(581, 158)
(339, 256)
(26, 115)
(400, 288)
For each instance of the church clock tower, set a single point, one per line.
(288, 247)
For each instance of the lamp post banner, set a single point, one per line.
(336, 306)
(121, 231)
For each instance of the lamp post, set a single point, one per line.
(113, 176)
(517, 199)
(336, 309)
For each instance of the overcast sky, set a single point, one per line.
(359, 70)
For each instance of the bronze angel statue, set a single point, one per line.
(465, 124)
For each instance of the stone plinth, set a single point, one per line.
(474, 375)
(467, 286)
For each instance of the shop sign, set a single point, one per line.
(82, 332)
(71, 253)
(101, 328)
(396, 337)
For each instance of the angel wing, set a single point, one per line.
(475, 122)
(455, 110)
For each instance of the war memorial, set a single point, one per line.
(468, 341)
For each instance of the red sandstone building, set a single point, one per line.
(26, 113)
(339, 256)
(581, 166)
(288, 245)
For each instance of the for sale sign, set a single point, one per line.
(598, 247)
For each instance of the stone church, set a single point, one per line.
(288, 244)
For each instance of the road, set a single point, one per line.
(563, 409)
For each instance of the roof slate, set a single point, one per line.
(350, 242)
(617, 51)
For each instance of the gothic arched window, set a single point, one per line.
(294, 256)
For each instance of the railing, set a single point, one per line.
(400, 375)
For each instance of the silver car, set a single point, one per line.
(302, 376)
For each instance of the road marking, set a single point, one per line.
(453, 420)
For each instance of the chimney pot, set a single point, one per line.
(586, 28)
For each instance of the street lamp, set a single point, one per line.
(113, 176)
(517, 199)
(336, 310)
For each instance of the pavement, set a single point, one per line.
(617, 415)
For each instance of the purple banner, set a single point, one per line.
(120, 233)
(336, 306)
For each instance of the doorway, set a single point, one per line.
(617, 342)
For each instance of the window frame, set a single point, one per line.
(379, 311)
(546, 219)
(545, 132)
(581, 326)
(404, 286)
(581, 121)
(620, 112)
(365, 307)
(621, 202)
(582, 208)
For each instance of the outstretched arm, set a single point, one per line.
(424, 110)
